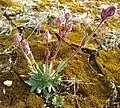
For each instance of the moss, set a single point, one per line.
(75, 37)
(64, 1)
(20, 104)
(34, 101)
(9, 3)
(94, 87)
(110, 63)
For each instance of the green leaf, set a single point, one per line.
(50, 88)
(45, 92)
(33, 88)
(53, 88)
(31, 82)
(44, 68)
(50, 68)
(61, 66)
(56, 77)
(59, 100)
(37, 77)
(40, 70)
(40, 73)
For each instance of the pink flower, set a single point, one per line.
(47, 35)
(68, 16)
(58, 21)
(107, 12)
(68, 27)
(17, 38)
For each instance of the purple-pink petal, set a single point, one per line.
(17, 38)
(68, 16)
(109, 11)
(69, 27)
(58, 21)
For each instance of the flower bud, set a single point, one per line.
(47, 53)
(68, 27)
(58, 21)
(47, 35)
(63, 34)
(25, 45)
(107, 12)
(68, 16)
(17, 38)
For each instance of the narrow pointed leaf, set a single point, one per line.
(50, 67)
(30, 82)
(33, 88)
(61, 66)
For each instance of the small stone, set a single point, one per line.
(101, 75)
(4, 91)
(22, 75)
(8, 83)
(118, 86)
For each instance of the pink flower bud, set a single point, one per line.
(68, 27)
(47, 35)
(58, 21)
(24, 43)
(68, 16)
(47, 53)
(63, 34)
(107, 12)
(17, 38)
(26, 47)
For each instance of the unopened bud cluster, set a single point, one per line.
(67, 27)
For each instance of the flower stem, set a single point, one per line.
(81, 44)
(60, 43)
(47, 51)
(55, 55)
(28, 60)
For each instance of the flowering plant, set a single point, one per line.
(45, 80)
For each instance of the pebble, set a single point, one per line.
(118, 86)
(4, 91)
(8, 83)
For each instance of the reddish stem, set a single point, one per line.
(80, 46)
(47, 55)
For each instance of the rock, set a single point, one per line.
(4, 91)
(8, 83)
